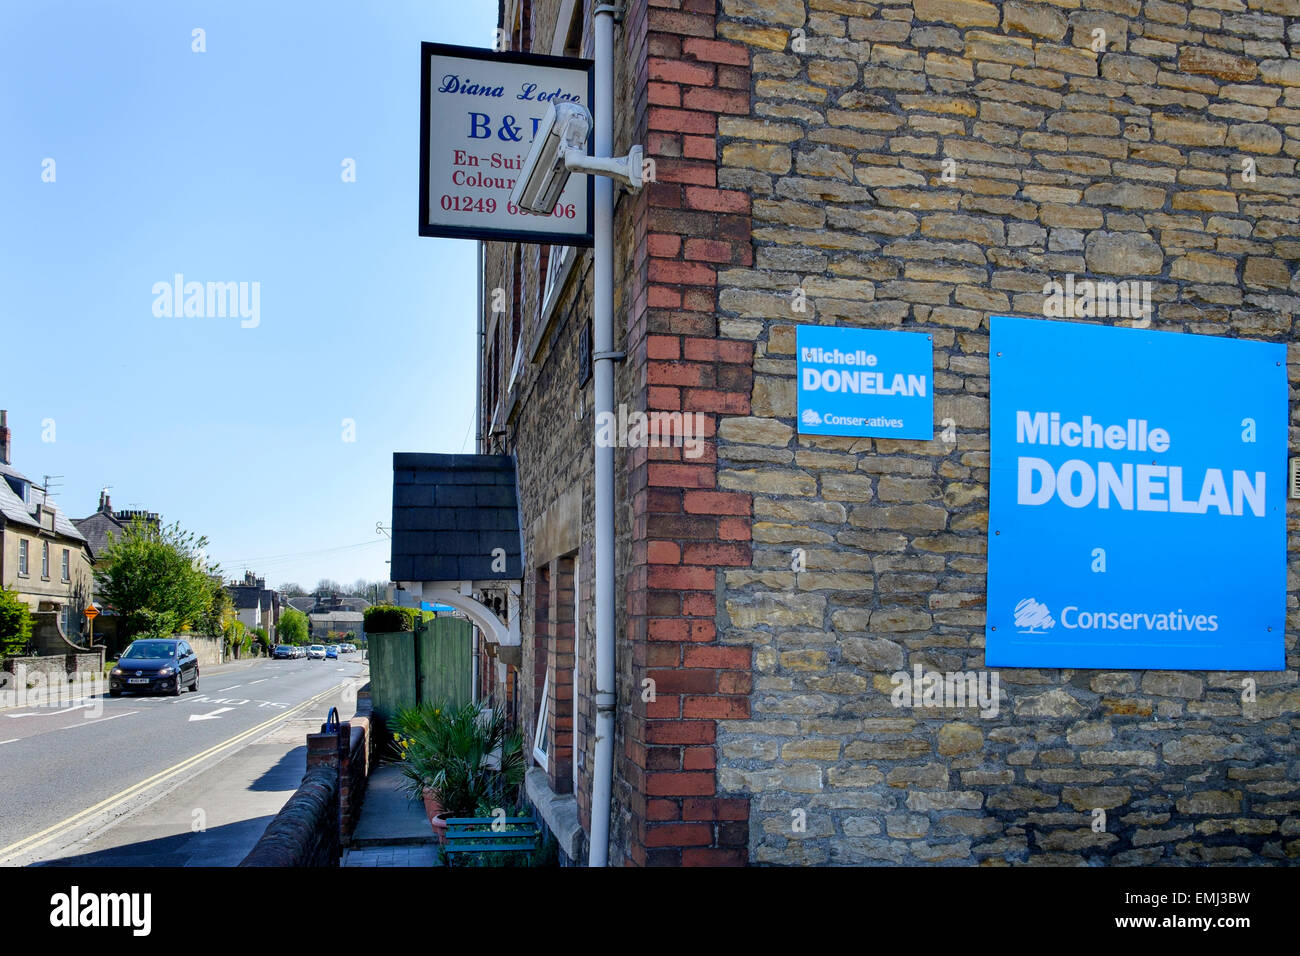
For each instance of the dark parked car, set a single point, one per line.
(155, 664)
(284, 652)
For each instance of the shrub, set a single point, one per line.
(15, 623)
(385, 618)
(465, 756)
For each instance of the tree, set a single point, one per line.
(15, 623)
(157, 579)
(259, 633)
(221, 612)
(293, 627)
(327, 586)
(292, 589)
(237, 637)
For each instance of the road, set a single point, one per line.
(68, 773)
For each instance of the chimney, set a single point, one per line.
(4, 437)
(105, 503)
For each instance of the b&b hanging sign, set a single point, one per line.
(479, 111)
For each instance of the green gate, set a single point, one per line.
(430, 664)
(392, 671)
(444, 650)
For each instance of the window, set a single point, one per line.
(540, 736)
(45, 560)
(22, 558)
(65, 618)
(541, 665)
(67, 565)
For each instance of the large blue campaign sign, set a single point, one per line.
(1137, 513)
(865, 382)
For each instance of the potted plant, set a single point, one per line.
(462, 761)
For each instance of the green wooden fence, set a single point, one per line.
(430, 664)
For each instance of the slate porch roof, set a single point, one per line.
(450, 512)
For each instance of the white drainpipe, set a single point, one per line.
(602, 771)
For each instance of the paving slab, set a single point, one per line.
(389, 817)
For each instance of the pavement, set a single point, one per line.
(394, 829)
(179, 781)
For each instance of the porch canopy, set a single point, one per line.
(456, 536)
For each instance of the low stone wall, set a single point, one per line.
(322, 815)
(305, 831)
(211, 650)
(62, 666)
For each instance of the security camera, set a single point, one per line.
(560, 149)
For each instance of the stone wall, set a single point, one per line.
(305, 832)
(210, 650)
(321, 816)
(921, 166)
(81, 664)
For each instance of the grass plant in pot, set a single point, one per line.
(461, 761)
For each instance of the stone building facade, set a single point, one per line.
(917, 165)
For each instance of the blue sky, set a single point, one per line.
(226, 166)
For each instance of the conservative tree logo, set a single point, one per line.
(1032, 617)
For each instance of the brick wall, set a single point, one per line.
(683, 527)
(559, 646)
(1125, 161)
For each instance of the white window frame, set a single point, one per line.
(65, 566)
(539, 735)
(24, 557)
(45, 560)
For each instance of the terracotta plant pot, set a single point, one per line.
(437, 817)
(439, 824)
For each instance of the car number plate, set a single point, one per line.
(138, 680)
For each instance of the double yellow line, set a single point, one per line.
(37, 840)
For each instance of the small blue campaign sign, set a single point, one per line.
(1137, 499)
(865, 382)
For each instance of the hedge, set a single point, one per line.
(385, 618)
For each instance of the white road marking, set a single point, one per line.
(211, 716)
(10, 740)
(87, 723)
(263, 680)
(47, 713)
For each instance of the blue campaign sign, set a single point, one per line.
(865, 382)
(1137, 499)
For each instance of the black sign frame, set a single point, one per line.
(429, 50)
